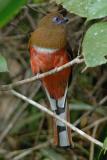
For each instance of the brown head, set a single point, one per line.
(50, 32)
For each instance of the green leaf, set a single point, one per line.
(8, 8)
(95, 45)
(103, 151)
(91, 9)
(105, 145)
(97, 9)
(80, 106)
(75, 6)
(38, 1)
(76, 105)
(3, 64)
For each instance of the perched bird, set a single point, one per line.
(48, 50)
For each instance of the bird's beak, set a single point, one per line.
(64, 20)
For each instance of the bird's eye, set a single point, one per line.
(57, 20)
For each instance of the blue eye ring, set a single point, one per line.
(57, 19)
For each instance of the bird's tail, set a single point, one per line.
(62, 134)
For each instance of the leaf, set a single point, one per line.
(80, 106)
(105, 145)
(97, 9)
(75, 6)
(91, 9)
(95, 45)
(38, 1)
(3, 64)
(103, 152)
(8, 8)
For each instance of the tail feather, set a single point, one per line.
(62, 134)
(63, 138)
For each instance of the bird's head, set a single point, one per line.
(50, 32)
(53, 19)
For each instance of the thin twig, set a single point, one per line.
(27, 151)
(77, 60)
(16, 117)
(97, 122)
(92, 144)
(36, 9)
(44, 109)
(103, 100)
(30, 19)
(101, 80)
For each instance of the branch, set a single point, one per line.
(44, 109)
(77, 60)
(17, 115)
(25, 152)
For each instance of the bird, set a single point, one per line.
(48, 50)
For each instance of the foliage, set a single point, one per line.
(23, 126)
(8, 9)
(3, 64)
(105, 145)
(94, 46)
(91, 9)
(103, 152)
(38, 1)
(94, 43)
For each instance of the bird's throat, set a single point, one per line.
(44, 50)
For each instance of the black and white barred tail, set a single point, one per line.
(62, 131)
(62, 134)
